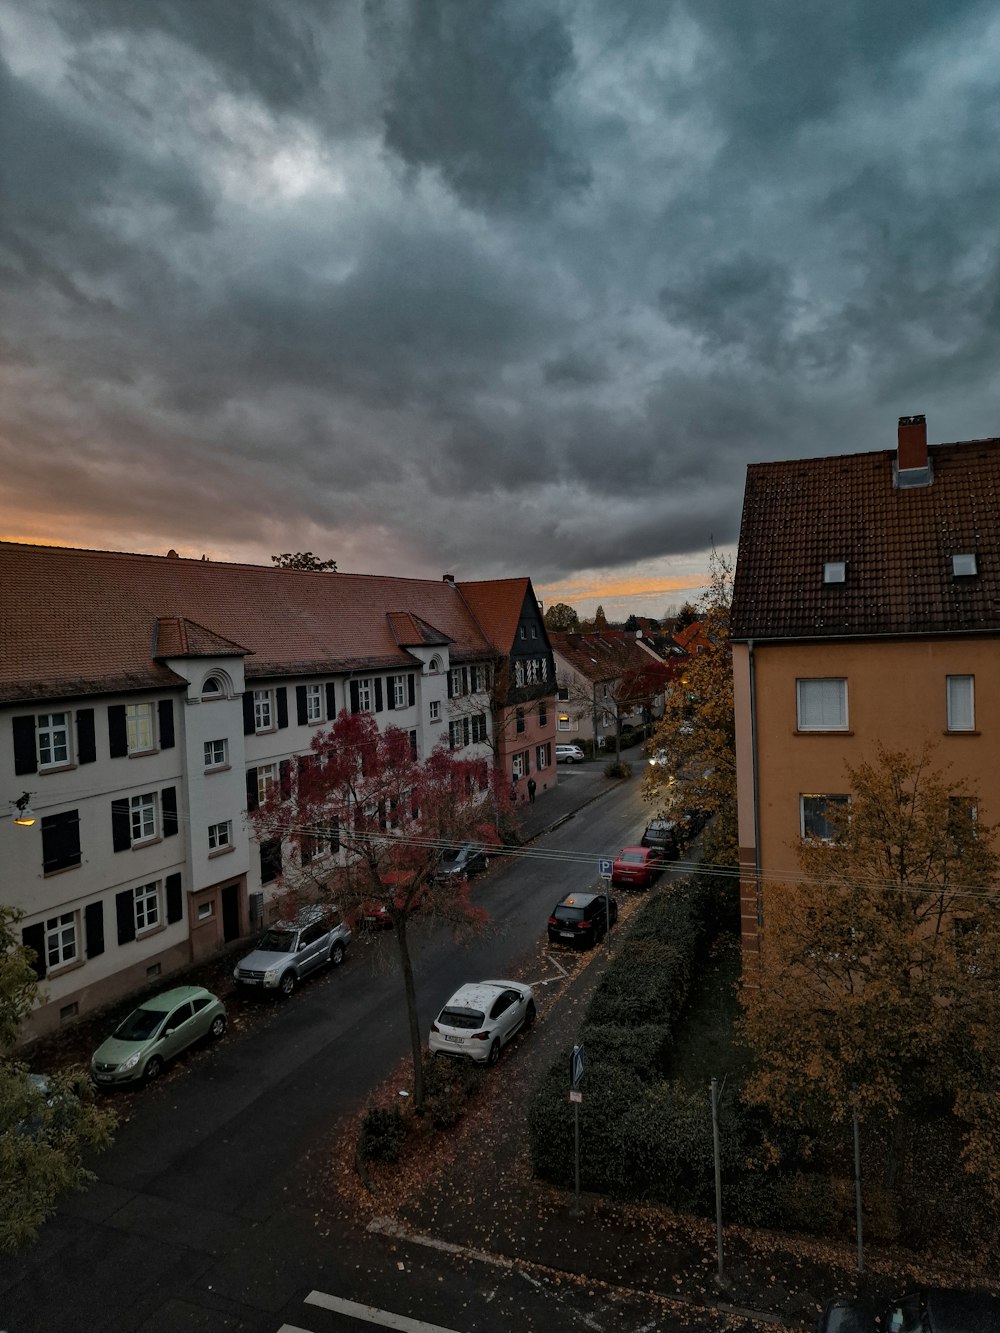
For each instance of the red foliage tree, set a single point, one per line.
(365, 820)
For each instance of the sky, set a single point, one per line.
(490, 289)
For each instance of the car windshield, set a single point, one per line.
(569, 913)
(468, 1019)
(278, 941)
(632, 858)
(140, 1025)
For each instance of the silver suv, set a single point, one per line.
(290, 950)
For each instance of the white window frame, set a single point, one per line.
(213, 751)
(140, 728)
(821, 703)
(146, 905)
(143, 820)
(263, 711)
(400, 694)
(366, 695)
(961, 696)
(314, 703)
(53, 738)
(267, 777)
(62, 940)
(434, 710)
(812, 813)
(220, 836)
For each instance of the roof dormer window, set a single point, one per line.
(835, 571)
(962, 566)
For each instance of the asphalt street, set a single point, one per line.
(200, 1217)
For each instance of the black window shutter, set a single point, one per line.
(281, 693)
(33, 937)
(93, 922)
(355, 704)
(125, 909)
(86, 739)
(412, 689)
(168, 809)
(121, 826)
(248, 727)
(60, 841)
(331, 701)
(117, 731)
(390, 692)
(252, 789)
(378, 694)
(300, 705)
(25, 754)
(175, 899)
(285, 778)
(166, 711)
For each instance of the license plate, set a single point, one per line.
(449, 1037)
(567, 934)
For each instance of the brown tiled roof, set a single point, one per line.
(497, 605)
(897, 544)
(600, 656)
(83, 622)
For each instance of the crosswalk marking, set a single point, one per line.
(370, 1314)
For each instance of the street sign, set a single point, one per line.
(575, 1095)
(576, 1067)
(606, 867)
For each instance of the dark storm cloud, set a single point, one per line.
(499, 287)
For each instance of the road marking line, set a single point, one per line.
(370, 1314)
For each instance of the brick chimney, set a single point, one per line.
(912, 450)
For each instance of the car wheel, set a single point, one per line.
(153, 1070)
(218, 1027)
(287, 984)
(336, 953)
(530, 1014)
(494, 1054)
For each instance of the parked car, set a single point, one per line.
(582, 919)
(480, 1018)
(664, 835)
(933, 1310)
(468, 859)
(637, 867)
(158, 1030)
(290, 950)
(569, 754)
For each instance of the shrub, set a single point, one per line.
(383, 1131)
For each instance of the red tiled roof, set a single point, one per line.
(897, 545)
(497, 605)
(83, 622)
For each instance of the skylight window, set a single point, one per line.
(835, 571)
(964, 565)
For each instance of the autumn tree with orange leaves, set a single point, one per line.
(362, 819)
(879, 979)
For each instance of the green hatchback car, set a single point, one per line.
(153, 1034)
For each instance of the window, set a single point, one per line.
(519, 764)
(961, 703)
(562, 722)
(147, 906)
(822, 705)
(263, 711)
(434, 708)
(61, 946)
(400, 693)
(53, 739)
(822, 817)
(543, 755)
(835, 571)
(519, 719)
(543, 714)
(267, 776)
(60, 841)
(220, 836)
(963, 566)
(139, 728)
(314, 703)
(142, 812)
(479, 728)
(216, 753)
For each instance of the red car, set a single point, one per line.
(637, 867)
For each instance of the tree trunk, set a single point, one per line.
(416, 1046)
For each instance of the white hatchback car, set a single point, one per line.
(480, 1018)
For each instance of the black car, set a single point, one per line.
(582, 919)
(468, 859)
(662, 834)
(934, 1310)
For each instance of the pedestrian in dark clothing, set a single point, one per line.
(531, 791)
